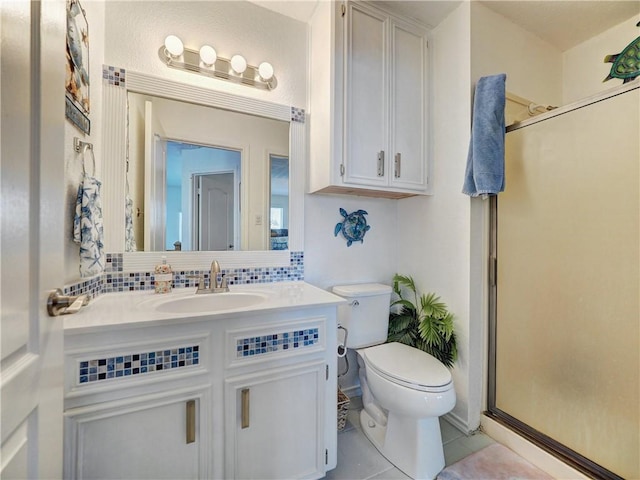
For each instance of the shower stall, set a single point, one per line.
(565, 284)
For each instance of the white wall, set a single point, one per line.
(584, 67)
(135, 30)
(434, 232)
(327, 259)
(533, 66)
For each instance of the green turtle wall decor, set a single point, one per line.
(353, 227)
(626, 64)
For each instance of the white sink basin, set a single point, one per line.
(210, 302)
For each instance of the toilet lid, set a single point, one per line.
(408, 366)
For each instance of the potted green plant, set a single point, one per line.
(422, 321)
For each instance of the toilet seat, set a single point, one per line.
(408, 366)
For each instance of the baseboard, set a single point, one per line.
(457, 422)
(527, 450)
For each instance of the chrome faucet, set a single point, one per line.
(214, 285)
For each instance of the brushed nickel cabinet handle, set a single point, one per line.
(245, 408)
(381, 163)
(398, 165)
(191, 421)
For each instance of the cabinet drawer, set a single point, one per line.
(263, 343)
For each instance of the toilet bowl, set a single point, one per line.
(404, 390)
(409, 434)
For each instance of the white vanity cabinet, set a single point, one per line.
(279, 405)
(378, 101)
(138, 403)
(244, 395)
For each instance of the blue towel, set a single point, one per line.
(485, 163)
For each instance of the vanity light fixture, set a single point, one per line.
(173, 46)
(207, 62)
(265, 70)
(238, 64)
(208, 55)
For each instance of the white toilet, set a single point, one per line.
(404, 390)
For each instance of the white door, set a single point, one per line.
(31, 236)
(155, 180)
(215, 211)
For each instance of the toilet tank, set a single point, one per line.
(366, 315)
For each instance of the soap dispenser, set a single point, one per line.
(163, 276)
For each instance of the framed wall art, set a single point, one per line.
(78, 104)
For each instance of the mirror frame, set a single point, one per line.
(115, 158)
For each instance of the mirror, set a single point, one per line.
(279, 201)
(255, 207)
(201, 176)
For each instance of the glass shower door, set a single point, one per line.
(566, 326)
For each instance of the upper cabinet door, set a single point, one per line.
(408, 132)
(366, 96)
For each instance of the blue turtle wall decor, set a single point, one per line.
(626, 64)
(353, 227)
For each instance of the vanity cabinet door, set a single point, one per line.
(159, 437)
(275, 426)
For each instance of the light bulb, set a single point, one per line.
(238, 63)
(173, 45)
(265, 70)
(208, 55)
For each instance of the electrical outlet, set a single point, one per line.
(258, 219)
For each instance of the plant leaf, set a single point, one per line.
(432, 307)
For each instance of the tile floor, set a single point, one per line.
(358, 459)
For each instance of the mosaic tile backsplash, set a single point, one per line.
(251, 346)
(115, 280)
(139, 363)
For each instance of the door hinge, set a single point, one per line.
(343, 8)
(326, 456)
(342, 169)
(326, 372)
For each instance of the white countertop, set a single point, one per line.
(134, 309)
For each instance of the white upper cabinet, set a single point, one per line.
(377, 143)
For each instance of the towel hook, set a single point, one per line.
(82, 147)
